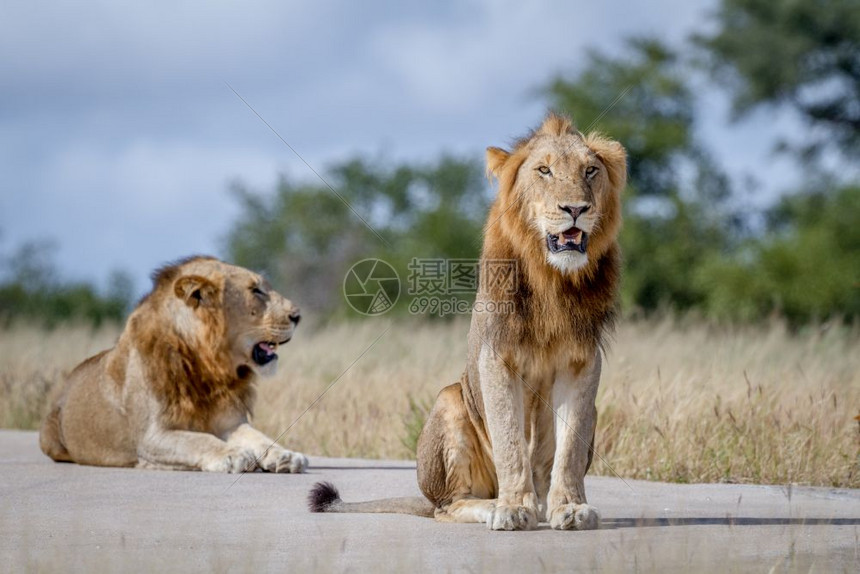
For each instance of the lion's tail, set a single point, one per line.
(324, 497)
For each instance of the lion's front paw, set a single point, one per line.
(298, 463)
(510, 517)
(234, 461)
(575, 517)
(282, 460)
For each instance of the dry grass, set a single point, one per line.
(33, 362)
(692, 403)
(679, 401)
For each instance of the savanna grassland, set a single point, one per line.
(680, 401)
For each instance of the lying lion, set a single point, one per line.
(511, 442)
(177, 389)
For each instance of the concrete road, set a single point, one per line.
(64, 517)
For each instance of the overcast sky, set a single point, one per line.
(119, 135)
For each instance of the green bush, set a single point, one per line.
(806, 269)
(32, 292)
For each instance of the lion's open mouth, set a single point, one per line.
(264, 353)
(573, 239)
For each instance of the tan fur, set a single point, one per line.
(511, 442)
(178, 388)
(493, 450)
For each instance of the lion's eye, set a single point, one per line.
(590, 171)
(544, 170)
(257, 291)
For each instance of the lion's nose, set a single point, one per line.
(295, 316)
(575, 210)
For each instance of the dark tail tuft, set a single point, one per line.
(322, 496)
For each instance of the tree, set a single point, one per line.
(305, 236)
(672, 222)
(642, 101)
(684, 242)
(802, 53)
(807, 268)
(805, 55)
(32, 290)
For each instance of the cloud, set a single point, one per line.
(118, 135)
(136, 206)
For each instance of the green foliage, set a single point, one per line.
(684, 241)
(643, 100)
(306, 236)
(806, 266)
(805, 54)
(32, 292)
(807, 269)
(659, 253)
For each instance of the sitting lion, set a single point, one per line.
(510, 443)
(177, 389)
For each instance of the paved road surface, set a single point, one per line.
(63, 517)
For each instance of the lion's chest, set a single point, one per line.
(206, 408)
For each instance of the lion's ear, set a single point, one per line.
(613, 156)
(496, 158)
(196, 291)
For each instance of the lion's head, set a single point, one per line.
(560, 193)
(228, 315)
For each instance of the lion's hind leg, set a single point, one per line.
(50, 437)
(453, 472)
